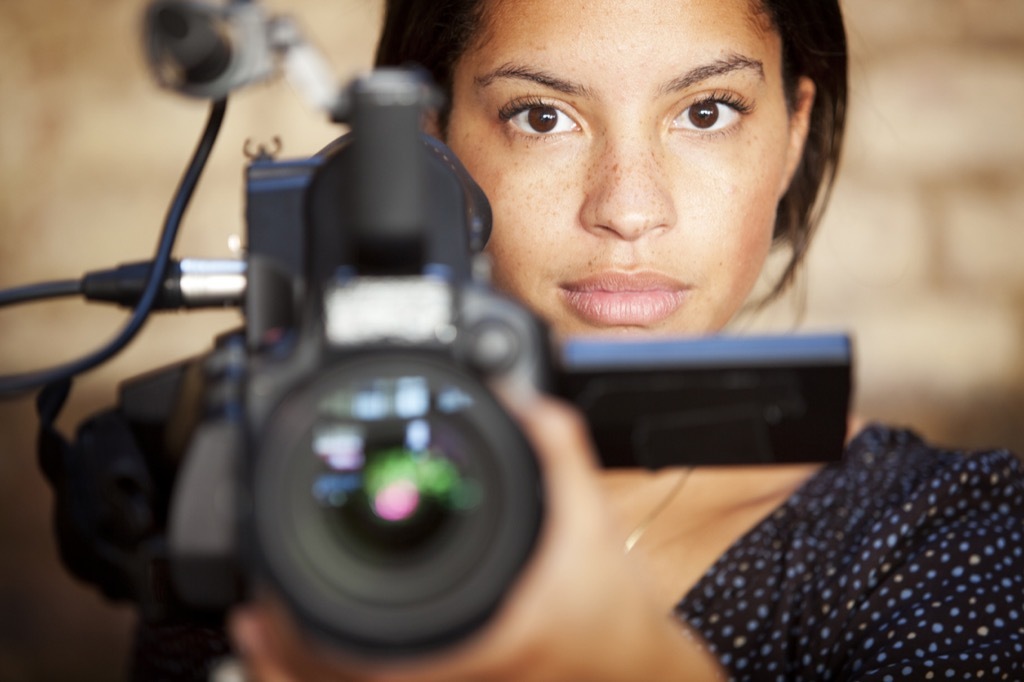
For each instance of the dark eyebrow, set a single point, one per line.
(520, 72)
(720, 67)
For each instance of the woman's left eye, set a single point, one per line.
(542, 120)
(710, 115)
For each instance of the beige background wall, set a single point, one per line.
(920, 257)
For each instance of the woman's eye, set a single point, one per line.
(708, 115)
(542, 120)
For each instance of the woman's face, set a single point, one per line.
(634, 153)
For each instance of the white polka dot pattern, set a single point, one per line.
(902, 562)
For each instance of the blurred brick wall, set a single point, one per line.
(920, 255)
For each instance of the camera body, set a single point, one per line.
(345, 450)
(350, 454)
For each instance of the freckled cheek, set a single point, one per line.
(520, 262)
(730, 215)
(752, 233)
(530, 211)
(518, 241)
(755, 243)
(509, 256)
(518, 192)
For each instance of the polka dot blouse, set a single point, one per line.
(902, 562)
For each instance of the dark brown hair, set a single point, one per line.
(436, 33)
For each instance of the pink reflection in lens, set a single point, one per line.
(397, 501)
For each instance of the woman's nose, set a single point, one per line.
(627, 193)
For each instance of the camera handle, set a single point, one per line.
(106, 506)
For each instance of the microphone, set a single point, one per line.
(192, 46)
(205, 51)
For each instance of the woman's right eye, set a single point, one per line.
(541, 119)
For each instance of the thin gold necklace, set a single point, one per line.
(652, 515)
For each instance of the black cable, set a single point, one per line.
(41, 291)
(16, 384)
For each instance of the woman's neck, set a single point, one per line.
(715, 507)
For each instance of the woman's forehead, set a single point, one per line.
(636, 39)
(500, 12)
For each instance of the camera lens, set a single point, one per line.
(397, 475)
(394, 502)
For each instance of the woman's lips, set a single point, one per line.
(625, 299)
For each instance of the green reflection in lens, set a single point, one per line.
(398, 481)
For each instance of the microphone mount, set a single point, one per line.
(207, 52)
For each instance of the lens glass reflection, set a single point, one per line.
(395, 470)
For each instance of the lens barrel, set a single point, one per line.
(394, 501)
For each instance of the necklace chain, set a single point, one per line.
(645, 523)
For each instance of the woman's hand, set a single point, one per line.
(580, 611)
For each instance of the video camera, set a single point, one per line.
(345, 448)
